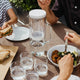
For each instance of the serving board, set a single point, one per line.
(4, 65)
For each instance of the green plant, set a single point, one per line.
(26, 4)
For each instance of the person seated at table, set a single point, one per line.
(69, 8)
(73, 38)
(7, 15)
(66, 67)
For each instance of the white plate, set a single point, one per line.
(61, 48)
(72, 77)
(19, 34)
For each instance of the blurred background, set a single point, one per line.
(22, 7)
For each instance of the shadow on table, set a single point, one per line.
(8, 76)
(57, 69)
(22, 48)
(50, 75)
(76, 71)
(60, 30)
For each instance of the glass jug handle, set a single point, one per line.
(48, 32)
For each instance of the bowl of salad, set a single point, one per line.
(55, 53)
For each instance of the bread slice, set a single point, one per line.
(6, 32)
(4, 54)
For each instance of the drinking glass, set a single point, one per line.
(32, 75)
(40, 66)
(26, 60)
(17, 72)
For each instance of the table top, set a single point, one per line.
(57, 37)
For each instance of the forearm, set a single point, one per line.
(13, 17)
(51, 18)
(63, 76)
(12, 21)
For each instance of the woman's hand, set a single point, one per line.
(5, 25)
(44, 3)
(73, 38)
(66, 67)
(50, 16)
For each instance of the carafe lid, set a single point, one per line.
(37, 14)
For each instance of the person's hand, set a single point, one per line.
(44, 3)
(5, 25)
(66, 67)
(73, 38)
(0, 28)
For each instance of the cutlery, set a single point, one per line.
(66, 42)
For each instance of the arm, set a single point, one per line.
(66, 67)
(44, 4)
(13, 18)
(51, 18)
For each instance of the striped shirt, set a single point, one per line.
(71, 10)
(4, 6)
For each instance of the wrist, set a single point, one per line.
(46, 8)
(63, 76)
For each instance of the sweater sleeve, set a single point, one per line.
(58, 8)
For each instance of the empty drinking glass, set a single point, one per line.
(26, 60)
(40, 66)
(32, 75)
(17, 72)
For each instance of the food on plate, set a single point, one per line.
(4, 54)
(6, 32)
(56, 56)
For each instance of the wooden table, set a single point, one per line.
(58, 33)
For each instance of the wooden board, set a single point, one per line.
(4, 66)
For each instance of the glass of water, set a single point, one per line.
(40, 66)
(26, 60)
(17, 72)
(32, 75)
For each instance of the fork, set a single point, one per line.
(66, 42)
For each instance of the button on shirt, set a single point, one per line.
(71, 10)
(75, 7)
(4, 6)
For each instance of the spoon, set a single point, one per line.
(66, 42)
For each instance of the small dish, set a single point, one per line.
(19, 34)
